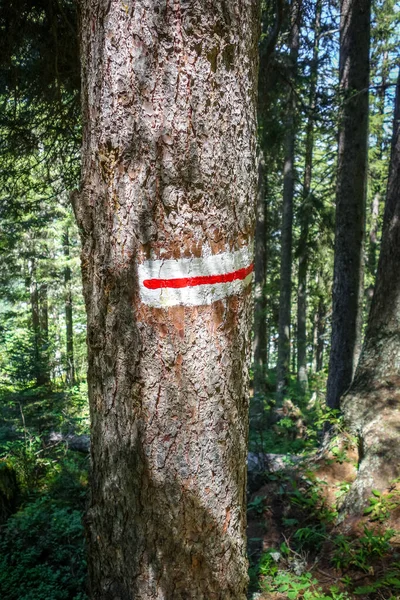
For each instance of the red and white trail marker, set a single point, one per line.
(195, 281)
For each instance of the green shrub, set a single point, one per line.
(42, 554)
(361, 552)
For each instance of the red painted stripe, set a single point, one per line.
(156, 284)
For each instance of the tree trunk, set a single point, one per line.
(35, 319)
(373, 233)
(40, 325)
(371, 406)
(320, 335)
(260, 277)
(68, 313)
(376, 176)
(306, 208)
(44, 335)
(166, 211)
(314, 337)
(285, 291)
(350, 198)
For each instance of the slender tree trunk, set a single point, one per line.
(260, 276)
(371, 406)
(321, 316)
(68, 313)
(373, 233)
(35, 319)
(314, 337)
(377, 196)
(293, 353)
(306, 213)
(350, 198)
(285, 291)
(44, 334)
(40, 325)
(166, 211)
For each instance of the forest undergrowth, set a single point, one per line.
(43, 489)
(300, 547)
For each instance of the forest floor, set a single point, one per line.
(301, 546)
(298, 548)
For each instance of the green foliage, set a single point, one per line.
(42, 554)
(303, 587)
(300, 430)
(34, 411)
(285, 570)
(256, 506)
(361, 552)
(267, 566)
(18, 354)
(389, 583)
(311, 498)
(310, 537)
(308, 525)
(380, 505)
(26, 459)
(294, 586)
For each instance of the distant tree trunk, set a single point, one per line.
(39, 321)
(285, 291)
(318, 329)
(320, 335)
(306, 208)
(377, 196)
(260, 276)
(35, 319)
(68, 313)
(166, 211)
(44, 334)
(371, 406)
(350, 198)
(314, 337)
(373, 233)
(293, 350)
(272, 35)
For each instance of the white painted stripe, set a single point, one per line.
(191, 268)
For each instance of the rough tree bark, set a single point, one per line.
(350, 197)
(306, 208)
(166, 211)
(285, 290)
(371, 407)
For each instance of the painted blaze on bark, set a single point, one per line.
(168, 173)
